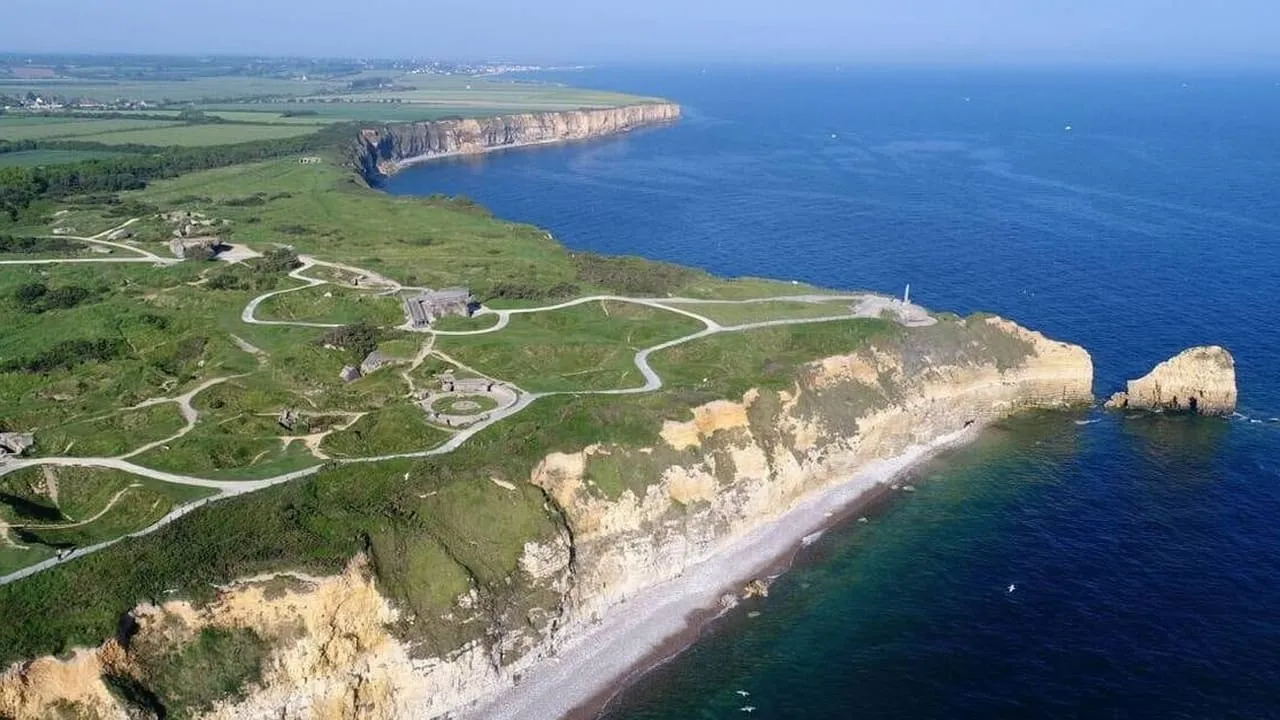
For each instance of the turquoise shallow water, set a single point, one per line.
(1145, 552)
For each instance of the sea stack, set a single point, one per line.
(1200, 380)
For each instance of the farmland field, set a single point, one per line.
(200, 134)
(32, 158)
(494, 94)
(339, 111)
(158, 91)
(270, 117)
(45, 128)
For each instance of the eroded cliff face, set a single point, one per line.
(634, 517)
(739, 464)
(383, 151)
(1198, 380)
(317, 648)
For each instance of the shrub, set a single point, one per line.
(459, 203)
(278, 260)
(217, 665)
(248, 201)
(358, 339)
(226, 280)
(509, 290)
(67, 354)
(36, 297)
(632, 275)
(28, 245)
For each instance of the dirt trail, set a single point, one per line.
(250, 348)
(137, 254)
(67, 526)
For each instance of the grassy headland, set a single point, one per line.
(104, 359)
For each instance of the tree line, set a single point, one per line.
(22, 186)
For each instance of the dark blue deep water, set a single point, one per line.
(1146, 552)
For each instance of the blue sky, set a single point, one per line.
(878, 31)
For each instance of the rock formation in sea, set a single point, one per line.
(1198, 380)
(628, 515)
(384, 150)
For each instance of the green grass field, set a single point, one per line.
(23, 128)
(333, 304)
(196, 135)
(269, 117)
(34, 158)
(586, 347)
(345, 111)
(731, 363)
(400, 427)
(450, 405)
(159, 91)
(457, 323)
(51, 508)
(114, 434)
(745, 313)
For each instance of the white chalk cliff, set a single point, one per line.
(1198, 380)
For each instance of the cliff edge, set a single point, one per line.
(1199, 380)
(383, 151)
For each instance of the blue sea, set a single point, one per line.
(1133, 213)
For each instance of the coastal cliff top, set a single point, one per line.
(195, 397)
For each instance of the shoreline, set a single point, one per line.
(655, 625)
(699, 622)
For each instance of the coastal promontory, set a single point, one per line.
(1199, 380)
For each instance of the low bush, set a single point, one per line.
(632, 275)
(358, 339)
(36, 297)
(68, 354)
(31, 245)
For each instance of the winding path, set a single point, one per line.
(139, 254)
(231, 488)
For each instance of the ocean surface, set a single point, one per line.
(1134, 214)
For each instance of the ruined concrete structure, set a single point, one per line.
(189, 224)
(373, 361)
(450, 384)
(423, 309)
(199, 248)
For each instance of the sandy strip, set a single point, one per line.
(639, 632)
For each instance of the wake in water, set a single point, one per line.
(1264, 420)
